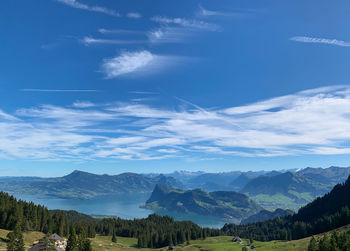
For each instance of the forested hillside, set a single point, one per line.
(323, 214)
(154, 231)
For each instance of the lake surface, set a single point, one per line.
(123, 206)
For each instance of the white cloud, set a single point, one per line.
(170, 34)
(195, 24)
(167, 151)
(210, 13)
(138, 62)
(119, 31)
(321, 41)
(330, 150)
(135, 15)
(7, 116)
(82, 6)
(314, 121)
(205, 12)
(83, 104)
(143, 92)
(175, 30)
(90, 40)
(127, 62)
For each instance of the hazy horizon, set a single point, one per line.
(168, 173)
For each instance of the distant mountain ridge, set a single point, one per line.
(299, 186)
(286, 189)
(264, 215)
(230, 205)
(81, 185)
(225, 181)
(294, 189)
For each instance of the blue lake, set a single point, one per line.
(123, 206)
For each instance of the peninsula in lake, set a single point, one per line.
(225, 204)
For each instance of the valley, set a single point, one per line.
(123, 194)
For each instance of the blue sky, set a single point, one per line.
(114, 86)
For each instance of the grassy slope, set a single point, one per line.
(221, 243)
(29, 238)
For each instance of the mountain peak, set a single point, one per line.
(76, 173)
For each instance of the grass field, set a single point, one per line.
(29, 238)
(220, 243)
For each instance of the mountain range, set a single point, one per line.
(291, 190)
(286, 189)
(323, 214)
(83, 185)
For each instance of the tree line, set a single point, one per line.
(323, 214)
(153, 232)
(334, 242)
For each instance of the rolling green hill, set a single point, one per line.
(219, 243)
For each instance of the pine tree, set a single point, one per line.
(48, 244)
(188, 237)
(85, 245)
(313, 245)
(72, 243)
(204, 234)
(16, 242)
(91, 232)
(114, 238)
(61, 225)
(139, 242)
(169, 239)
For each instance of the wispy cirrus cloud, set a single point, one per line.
(57, 90)
(136, 62)
(313, 121)
(321, 41)
(134, 15)
(78, 5)
(90, 41)
(119, 31)
(170, 35)
(175, 30)
(195, 24)
(127, 62)
(83, 104)
(144, 92)
(6, 116)
(206, 12)
(203, 12)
